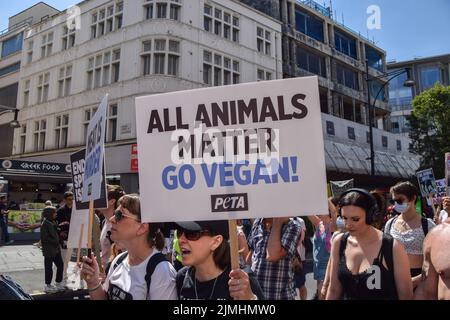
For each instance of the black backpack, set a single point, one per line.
(156, 259)
(424, 225)
(11, 290)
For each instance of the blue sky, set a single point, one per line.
(409, 28)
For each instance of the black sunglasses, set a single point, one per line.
(192, 235)
(119, 215)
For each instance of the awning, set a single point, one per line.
(355, 159)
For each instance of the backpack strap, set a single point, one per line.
(387, 247)
(389, 225)
(156, 259)
(120, 260)
(425, 226)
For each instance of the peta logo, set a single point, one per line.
(229, 202)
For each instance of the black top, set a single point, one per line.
(215, 289)
(377, 282)
(63, 215)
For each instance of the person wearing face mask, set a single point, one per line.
(409, 227)
(365, 263)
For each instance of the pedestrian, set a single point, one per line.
(207, 274)
(63, 217)
(366, 263)
(273, 245)
(409, 228)
(4, 212)
(435, 283)
(299, 264)
(115, 192)
(324, 226)
(52, 251)
(140, 273)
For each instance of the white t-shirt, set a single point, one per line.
(105, 244)
(443, 216)
(128, 282)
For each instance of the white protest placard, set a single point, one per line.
(440, 191)
(78, 218)
(244, 151)
(95, 151)
(427, 182)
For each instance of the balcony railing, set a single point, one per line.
(24, 23)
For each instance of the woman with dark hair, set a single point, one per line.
(409, 227)
(207, 273)
(140, 273)
(365, 263)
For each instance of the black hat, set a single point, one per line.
(219, 227)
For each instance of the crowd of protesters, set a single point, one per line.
(364, 248)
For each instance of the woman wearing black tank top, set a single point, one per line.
(365, 264)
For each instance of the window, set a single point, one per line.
(311, 62)
(347, 77)
(309, 25)
(384, 141)
(12, 45)
(111, 127)
(40, 128)
(330, 128)
(23, 138)
(61, 131)
(26, 93)
(345, 44)
(162, 9)
(221, 23)
(375, 58)
(429, 76)
(377, 90)
(399, 145)
(87, 116)
(43, 87)
(351, 133)
(263, 41)
(68, 38)
(263, 75)
(9, 69)
(399, 95)
(103, 69)
(47, 45)
(106, 19)
(64, 81)
(163, 50)
(220, 70)
(30, 51)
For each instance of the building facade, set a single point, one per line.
(426, 72)
(313, 43)
(11, 45)
(130, 48)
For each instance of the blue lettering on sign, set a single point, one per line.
(93, 163)
(229, 175)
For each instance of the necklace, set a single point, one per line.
(195, 288)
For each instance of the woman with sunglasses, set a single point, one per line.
(207, 274)
(127, 278)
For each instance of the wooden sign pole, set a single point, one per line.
(79, 243)
(90, 226)
(234, 247)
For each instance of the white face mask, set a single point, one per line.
(401, 208)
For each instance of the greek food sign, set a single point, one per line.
(242, 151)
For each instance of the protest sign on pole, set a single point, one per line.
(447, 172)
(78, 219)
(427, 182)
(441, 188)
(77, 165)
(339, 187)
(94, 162)
(244, 151)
